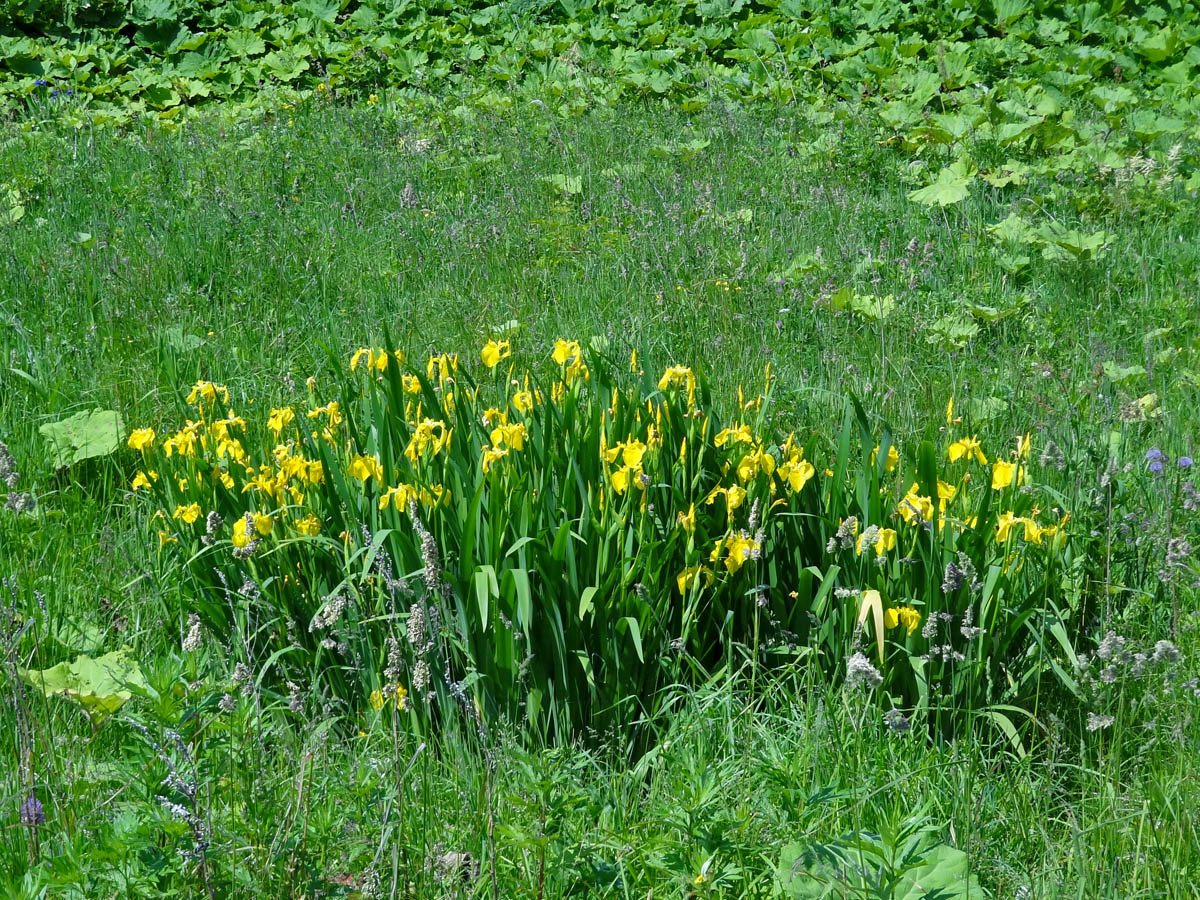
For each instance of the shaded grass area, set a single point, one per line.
(251, 255)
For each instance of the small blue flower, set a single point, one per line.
(41, 84)
(1153, 454)
(1156, 466)
(32, 812)
(1184, 462)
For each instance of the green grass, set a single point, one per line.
(274, 242)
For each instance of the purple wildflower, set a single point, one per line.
(1156, 466)
(1184, 462)
(32, 812)
(1153, 454)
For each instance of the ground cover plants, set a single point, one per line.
(418, 501)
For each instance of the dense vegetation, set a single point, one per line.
(410, 490)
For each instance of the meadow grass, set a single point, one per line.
(252, 254)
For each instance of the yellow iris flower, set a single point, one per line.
(142, 439)
(687, 520)
(967, 447)
(363, 467)
(1005, 524)
(398, 497)
(680, 377)
(279, 419)
(189, 513)
(1003, 474)
(494, 351)
(914, 507)
(893, 458)
(907, 616)
(522, 401)
(491, 455)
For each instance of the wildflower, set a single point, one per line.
(689, 576)
(915, 507)
(492, 454)
(375, 359)
(739, 549)
(140, 480)
(687, 520)
(675, 376)
(182, 442)
(907, 616)
(195, 637)
(295, 698)
(213, 523)
(399, 696)
(310, 525)
(243, 530)
(141, 439)
(896, 721)
(620, 478)
(738, 434)
(232, 448)
(32, 813)
(950, 419)
(734, 497)
(512, 436)
(8, 467)
(1098, 723)
(164, 538)
(279, 419)
(363, 467)
(754, 462)
(569, 355)
(494, 351)
(1004, 525)
(1112, 647)
(860, 673)
(188, 514)
(1184, 462)
(430, 435)
(1165, 651)
(1003, 474)
(796, 471)
(967, 447)
(331, 410)
(411, 384)
(886, 541)
(205, 393)
(522, 401)
(893, 458)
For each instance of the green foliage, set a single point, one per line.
(438, 225)
(950, 187)
(84, 435)
(1029, 85)
(101, 685)
(603, 537)
(905, 865)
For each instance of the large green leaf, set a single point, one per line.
(945, 873)
(83, 436)
(101, 685)
(817, 872)
(948, 188)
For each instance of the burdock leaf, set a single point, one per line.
(950, 187)
(83, 436)
(101, 686)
